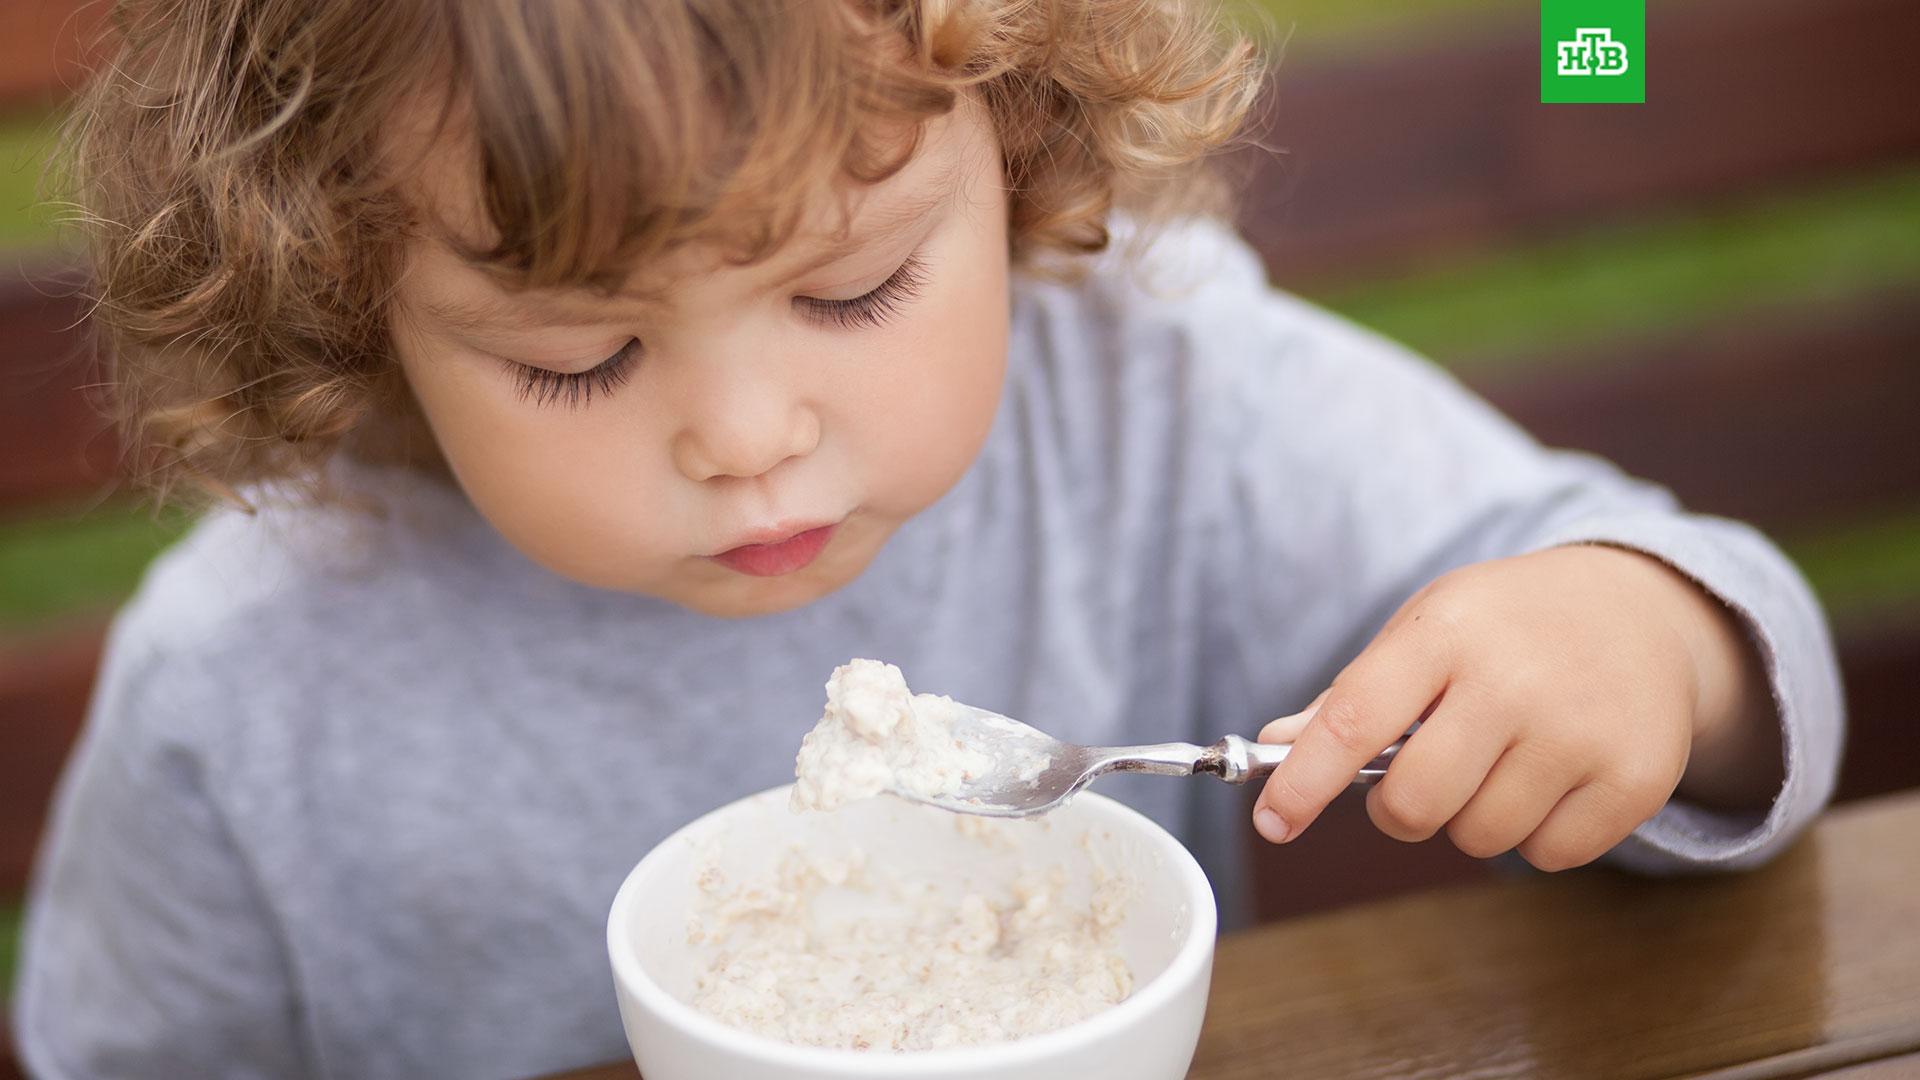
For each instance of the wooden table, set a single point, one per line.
(1809, 967)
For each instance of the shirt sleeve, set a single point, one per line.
(1353, 472)
(148, 950)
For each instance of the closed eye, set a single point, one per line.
(544, 386)
(876, 306)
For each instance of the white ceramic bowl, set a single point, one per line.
(1166, 939)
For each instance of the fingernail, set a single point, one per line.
(1269, 825)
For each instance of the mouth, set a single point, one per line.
(784, 551)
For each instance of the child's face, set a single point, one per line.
(833, 401)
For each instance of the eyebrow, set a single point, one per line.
(875, 226)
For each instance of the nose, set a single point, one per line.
(742, 426)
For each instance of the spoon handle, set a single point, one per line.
(1238, 760)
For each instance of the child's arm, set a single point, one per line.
(1597, 662)
(147, 951)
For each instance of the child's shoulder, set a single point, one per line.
(252, 600)
(1192, 291)
(1190, 303)
(1165, 329)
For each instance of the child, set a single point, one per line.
(595, 376)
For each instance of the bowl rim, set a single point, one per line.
(1194, 952)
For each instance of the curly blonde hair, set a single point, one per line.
(244, 233)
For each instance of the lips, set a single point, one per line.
(782, 555)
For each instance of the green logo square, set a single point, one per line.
(1593, 51)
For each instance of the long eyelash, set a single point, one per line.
(543, 386)
(875, 307)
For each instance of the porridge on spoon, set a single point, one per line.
(877, 736)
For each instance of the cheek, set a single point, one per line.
(561, 485)
(934, 400)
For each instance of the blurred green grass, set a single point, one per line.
(1342, 24)
(25, 141)
(70, 562)
(1524, 304)
(10, 920)
(1866, 570)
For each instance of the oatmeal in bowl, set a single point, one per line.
(887, 938)
(757, 942)
(844, 952)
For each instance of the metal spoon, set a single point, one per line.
(1034, 772)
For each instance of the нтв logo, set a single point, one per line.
(1592, 52)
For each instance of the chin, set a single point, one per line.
(750, 596)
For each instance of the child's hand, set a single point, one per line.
(1564, 694)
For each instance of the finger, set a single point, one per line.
(1585, 824)
(1288, 728)
(1522, 788)
(1438, 770)
(1407, 610)
(1369, 705)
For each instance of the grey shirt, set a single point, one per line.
(356, 789)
